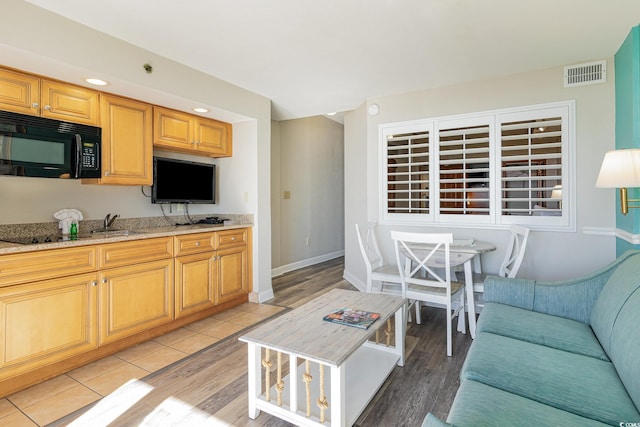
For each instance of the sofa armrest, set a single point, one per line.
(572, 298)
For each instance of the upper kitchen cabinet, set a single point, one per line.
(182, 132)
(29, 94)
(127, 147)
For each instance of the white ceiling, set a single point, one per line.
(311, 57)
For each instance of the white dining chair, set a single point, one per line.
(427, 278)
(381, 278)
(512, 259)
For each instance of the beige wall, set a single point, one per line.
(307, 161)
(550, 255)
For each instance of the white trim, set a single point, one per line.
(362, 286)
(278, 271)
(493, 118)
(634, 239)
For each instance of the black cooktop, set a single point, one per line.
(33, 240)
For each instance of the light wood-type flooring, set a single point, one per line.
(198, 374)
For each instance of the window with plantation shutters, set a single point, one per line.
(464, 170)
(407, 176)
(531, 166)
(500, 167)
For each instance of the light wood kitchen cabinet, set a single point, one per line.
(30, 94)
(127, 142)
(65, 307)
(211, 268)
(195, 272)
(135, 298)
(62, 101)
(232, 258)
(232, 273)
(195, 278)
(19, 92)
(183, 132)
(46, 321)
(136, 286)
(39, 265)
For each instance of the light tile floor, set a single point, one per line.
(49, 401)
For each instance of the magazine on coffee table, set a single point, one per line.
(352, 317)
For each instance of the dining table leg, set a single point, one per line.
(471, 303)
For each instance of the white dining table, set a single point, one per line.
(464, 252)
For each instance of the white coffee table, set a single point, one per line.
(347, 365)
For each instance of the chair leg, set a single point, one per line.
(462, 324)
(449, 351)
(418, 314)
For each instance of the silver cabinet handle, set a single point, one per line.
(105, 280)
(106, 173)
(197, 243)
(94, 283)
(47, 107)
(233, 238)
(35, 105)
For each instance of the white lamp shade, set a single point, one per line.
(620, 169)
(556, 193)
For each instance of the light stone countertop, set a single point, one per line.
(143, 233)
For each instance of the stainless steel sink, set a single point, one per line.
(113, 233)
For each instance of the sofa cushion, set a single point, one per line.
(478, 404)
(620, 286)
(582, 385)
(539, 328)
(625, 346)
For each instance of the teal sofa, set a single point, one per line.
(555, 353)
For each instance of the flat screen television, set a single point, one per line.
(181, 181)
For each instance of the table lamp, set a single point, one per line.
(621, 169)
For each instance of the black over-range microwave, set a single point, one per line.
(40, 147)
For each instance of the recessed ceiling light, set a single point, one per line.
(96, 82)
(200, 110)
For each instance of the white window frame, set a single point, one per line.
(494, 118)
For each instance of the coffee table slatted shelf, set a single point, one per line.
(354, 362)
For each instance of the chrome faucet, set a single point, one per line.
(108, 220)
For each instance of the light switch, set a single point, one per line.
(286, 195)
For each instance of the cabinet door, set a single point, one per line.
(172, 129)
(127, 144)
(19, 92)
(213, 137)
(135, 298)
(232, 273)
(46, 321)
(194, 283)
(63, 101)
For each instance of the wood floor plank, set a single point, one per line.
(214, 380)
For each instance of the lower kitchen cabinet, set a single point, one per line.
(65, 307)
(232, 273)
(135, 298)
(195, 278)
(46, 321)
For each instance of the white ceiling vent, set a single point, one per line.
(585, 74)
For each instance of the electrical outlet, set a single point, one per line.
(286, 195)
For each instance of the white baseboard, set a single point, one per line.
(305, 263)
(362, 286)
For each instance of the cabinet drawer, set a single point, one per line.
(194, 243)
(47, 264)
(231, 238)
(134, 252)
